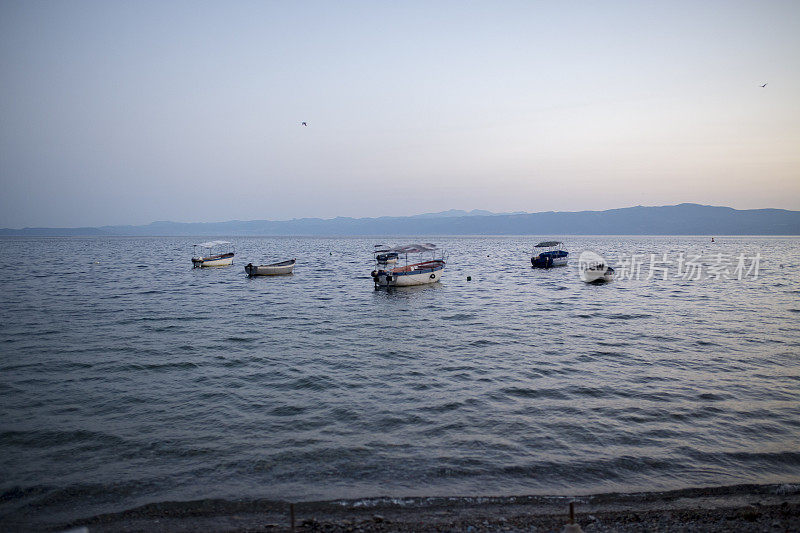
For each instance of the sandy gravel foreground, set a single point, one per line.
(742, 508)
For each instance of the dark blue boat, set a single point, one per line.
(552, 256)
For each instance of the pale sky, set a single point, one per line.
(130, 112)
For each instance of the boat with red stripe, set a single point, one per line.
(387, 273)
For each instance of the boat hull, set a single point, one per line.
(276, 269)
(202, 262)
(419, 274)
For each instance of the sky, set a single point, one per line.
(117, 112)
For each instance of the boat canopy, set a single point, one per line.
(548, 244)
(211, 244)
(413, 248)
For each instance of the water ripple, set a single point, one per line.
(153, 382)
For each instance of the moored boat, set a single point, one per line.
(387, 274)
(549, 254)
(273, 269)
(208, 257)
(384, 256)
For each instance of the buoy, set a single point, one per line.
(469, 278)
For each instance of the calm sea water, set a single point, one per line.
(127, 377)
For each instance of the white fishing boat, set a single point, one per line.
(213, 254)
(273, 269)
(593, 268)
(387, 273)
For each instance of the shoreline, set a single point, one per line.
(732, 508)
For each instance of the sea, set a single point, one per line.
(127, 377)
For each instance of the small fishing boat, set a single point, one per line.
(273, 269)
(212, 254)
(549, 254)
(384, 256)
(388, 274)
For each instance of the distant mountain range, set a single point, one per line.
(683, 219)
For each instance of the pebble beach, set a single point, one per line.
(742, 508)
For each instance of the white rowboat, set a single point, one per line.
(273, 269)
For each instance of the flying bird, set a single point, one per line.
(762, 86)
(303, 124)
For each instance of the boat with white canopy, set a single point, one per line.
(213, 254)
(549, 254)
(416, 270)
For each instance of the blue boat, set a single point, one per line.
(551, 255)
